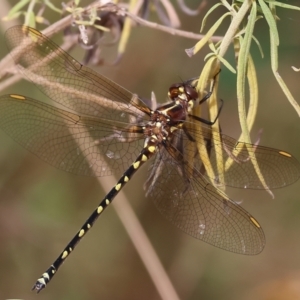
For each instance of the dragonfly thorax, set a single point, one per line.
(183, 94)
(158, 128)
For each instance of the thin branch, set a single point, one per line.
(169, 30)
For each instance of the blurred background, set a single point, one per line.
(41, 208)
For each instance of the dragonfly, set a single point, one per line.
(96, 127)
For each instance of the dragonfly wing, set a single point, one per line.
(278, 168)
(66, 81)
(195, 206)
(78, 144)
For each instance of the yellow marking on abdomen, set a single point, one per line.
(42, 281)
(118, 186)
(107, 202)
(65, 254)
(46, 276)
(136, 164)
(151, 149)
(99, 210)
(81, 233)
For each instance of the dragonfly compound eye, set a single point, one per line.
(174, 91)
(191, 93)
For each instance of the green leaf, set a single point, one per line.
(270, 19)
(283, 5)
(226, 64)
(210, 33)
(15, 9)
(31, 19)
(12, 16)
(243, 61)
(274, 63)
(259, 46)
(207, 15)
(53, 7)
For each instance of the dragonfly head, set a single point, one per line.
(183, 91)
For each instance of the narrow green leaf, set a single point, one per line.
(259, 46)
(207, 15)
(283, 5)
(274, 64)
(243, 61)
(210, 33)
(270, 19)
(31, 19)
(12, 16)
(227, 64)
(17, 7)
(53, 7)
(206, 74)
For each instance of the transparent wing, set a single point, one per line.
(66, 81)
(197, 208)
(68, 141)
(279, 168)
(179, 186)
